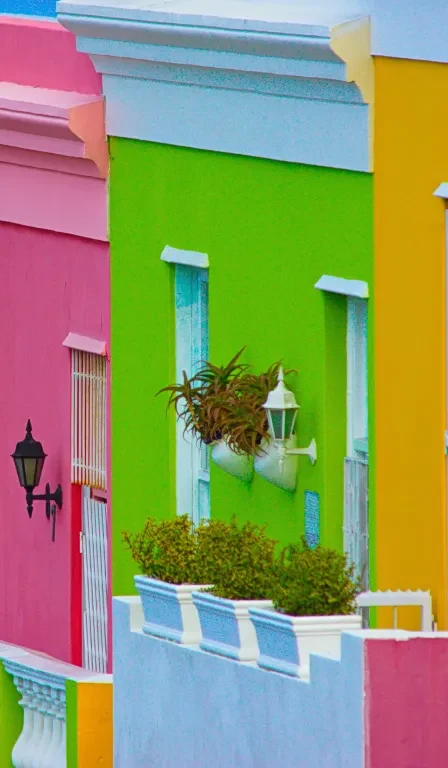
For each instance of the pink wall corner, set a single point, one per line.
(54, 284)
(406, 710)
(51, 60)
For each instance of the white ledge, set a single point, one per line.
(251, 78)
(188, 258)
(356, 288)
(442, 191)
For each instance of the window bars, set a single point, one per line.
(89, 419)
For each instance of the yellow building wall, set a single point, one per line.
(411, 160)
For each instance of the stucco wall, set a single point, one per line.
(178, 706)
(51, 284)
(270, 230)
(411, 160)
(384, 704)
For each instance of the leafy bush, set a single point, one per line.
(165, 549)
(225, 402)
(314, 582)
(238, 561)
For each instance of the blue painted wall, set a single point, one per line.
(29, 7)
(178, 707)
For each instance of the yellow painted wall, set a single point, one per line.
(95, 725)
(411, 160)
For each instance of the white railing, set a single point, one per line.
(395, 599)
(42, 742)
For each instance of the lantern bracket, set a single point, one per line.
(50, 509)
(310, 451)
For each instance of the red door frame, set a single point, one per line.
(76, 577)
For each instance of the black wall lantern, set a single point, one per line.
(29, 458)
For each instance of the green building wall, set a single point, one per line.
(270, 230)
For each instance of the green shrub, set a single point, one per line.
(165, 549)
(314, 582)
(238, 561)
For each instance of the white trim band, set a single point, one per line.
(245, 78)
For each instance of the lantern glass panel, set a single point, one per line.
(20, 471)
(277, 423)
(290, 418)
(39, 468)
(30, 468)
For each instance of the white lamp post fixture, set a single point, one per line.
(281, 409)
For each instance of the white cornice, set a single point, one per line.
(242, 77)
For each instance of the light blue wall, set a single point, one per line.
(29, 7)
(178, 707)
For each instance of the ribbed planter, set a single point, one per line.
(236, 464)
(267, 465)
(285, 642)
(169, 610)
(226, 627)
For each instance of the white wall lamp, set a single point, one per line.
(275, 465)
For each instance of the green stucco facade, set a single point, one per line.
(270, 230)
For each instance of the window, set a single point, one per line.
(89, 419)
(192, 460)
(357, 392)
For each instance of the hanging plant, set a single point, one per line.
(225, 403)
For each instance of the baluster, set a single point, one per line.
(30, 758)
(47, 733)
(50, 758)
(60, 758)
(21, 746)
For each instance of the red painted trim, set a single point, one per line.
(76, 577)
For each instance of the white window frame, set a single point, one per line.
(191, 318)
(357, 378)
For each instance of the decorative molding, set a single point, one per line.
(85, 344)
(188, 258)
(442, 191)
(356, 288)
(247, 78)
(53, 160)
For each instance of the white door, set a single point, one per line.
(94, 582)
(356, 533)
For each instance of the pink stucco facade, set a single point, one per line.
(52, 284)
(406, 702)
(54, 280)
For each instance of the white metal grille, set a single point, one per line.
(356, 543)
(89, 419)
(94, 582)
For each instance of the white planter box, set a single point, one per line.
(226, 626)
(169, 610)
(285, 642)
(267, 465)
(238, 465)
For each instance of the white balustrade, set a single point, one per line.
(42, 742)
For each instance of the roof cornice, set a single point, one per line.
(258, 82)
(43, 135)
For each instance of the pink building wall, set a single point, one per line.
(51, 284)
(406, 702)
